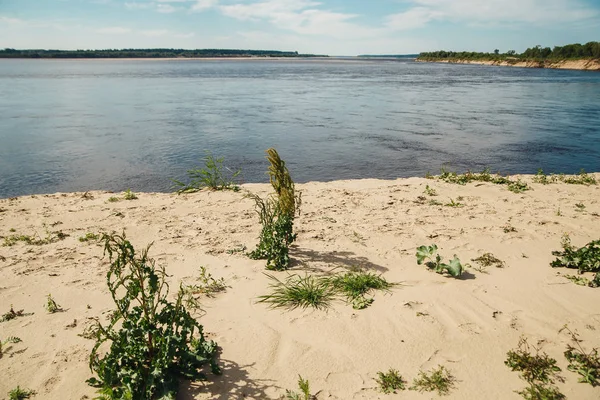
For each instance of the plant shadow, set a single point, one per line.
(307, 258)
(466, 276)
(234, 383)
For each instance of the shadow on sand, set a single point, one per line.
(307, 258)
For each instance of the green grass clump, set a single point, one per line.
(8, 340)
(113, 199)
(153, 343)
(89, 237)
(584, 259)
(36, 240)
(356, 285)
(207, 286)
(485, 176)
(299, 292)
(430, 191)
(438, 380)
(304, 394)
(213, 176)
(390, 382)
(541, 177)
(20, 394)
(539, 370)
(584, 363)
(129, 195)
(581, 179)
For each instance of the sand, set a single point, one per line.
(584, 65)
(467, 324)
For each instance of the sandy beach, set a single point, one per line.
(466, 324)
(582, 65)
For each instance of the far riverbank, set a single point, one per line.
(581, 65)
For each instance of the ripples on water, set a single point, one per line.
(118, 124)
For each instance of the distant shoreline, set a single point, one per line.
(579, 65)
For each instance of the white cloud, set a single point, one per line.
(165, 8)
(413, 18)
(155, 32)
(202, 5)
(114, 30)
(138, 6)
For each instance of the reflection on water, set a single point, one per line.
(91, 124)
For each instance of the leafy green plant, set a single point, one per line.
(20, 394)
(430, 191)
(579, 207)
(276, 214)
(539, 370)
(390, 382)
(299, 292)
(89, 237)
(485, 176)
(584, 363)
(584, 259)
(153, 342)
(356, 285)
(304, 394)
(454, 204)
(454, 267)
(8, 340)
(113, 199)
(438, 380)
(12, 314)
(213, 176)
(51, 305)
(581, 179)
(541, 177)
(207, 286)
(518, 186)
(129, 195)
(35, 240)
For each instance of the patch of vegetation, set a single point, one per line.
(356, 285)
(153, 342)
(579, 207)
(113, 199)
(509, 228)
(454, 267)
(430, 191)
(541, 177)
(454, 204)
(539, 370)
(489, 260)
(213, 176)
(51, 306)
(438, 380)
(580, 179)
(89, 237)
(36, 240)
(299, 292)
(390, 382)
(207, 286)
(12, 314)
(129, 195)
(584, 363)
(584, 259)
(485, 176)
(20, 394)
(8, 340)
(276, 214)
(304, 394)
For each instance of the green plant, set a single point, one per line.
(539, 370)
(584, 259)
(153, 342)
(129, 195)
(454, 204)
(541, 177)
(51, 305)
(579, 207)
(356, 285)
(485, 176)
(430, 191)
(113, 199)
(276, 215)
(391, 381)
(8, 340)
(586, 364)
(304, 394)
(454, 267)
(581, 179)
(20, 394)
(36, 240)
(89, 237)
(208, 286)
(558, 212)
(518, 186)
(489, 260)
(212, 176)
(297, 291)
(438, 380)
(12, 314)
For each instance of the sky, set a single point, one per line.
(333, 27)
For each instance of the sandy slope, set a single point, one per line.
(585, 65)
(467, 325)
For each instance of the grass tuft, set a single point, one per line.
(20, 394)
(304, 394)
(438, 380)
(356, 285)
(299, 292)
(390, 382)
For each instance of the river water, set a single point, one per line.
(69, 125)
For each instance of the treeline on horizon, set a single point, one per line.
(148, 53)
(590, 50)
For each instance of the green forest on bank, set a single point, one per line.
(590, 50)
(148, 53)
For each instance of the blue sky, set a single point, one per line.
(334, 27)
